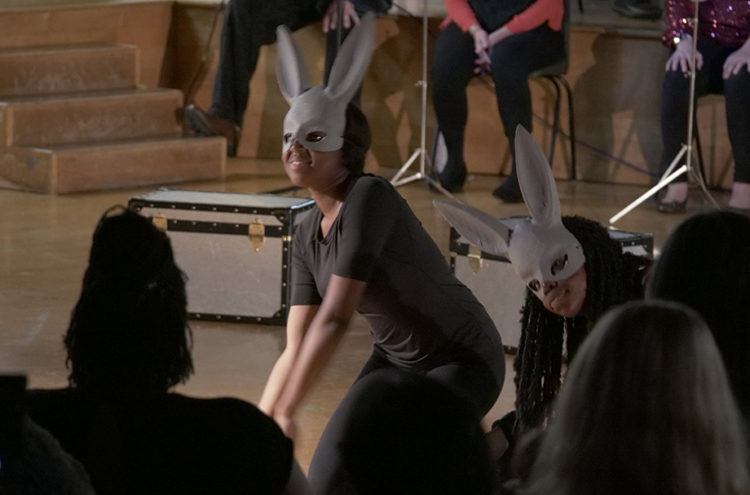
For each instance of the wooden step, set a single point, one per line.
(67, 69)
(97, 116)
(113, 165)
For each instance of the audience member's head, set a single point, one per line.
(646, 408)
(411, 435)
(611, 278)
(43, 467)
(705, 264)
(128, 332)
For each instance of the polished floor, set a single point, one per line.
(44, 242)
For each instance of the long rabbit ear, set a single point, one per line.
(536, 180)
(291, 70)
(352, 60)
(479, 228)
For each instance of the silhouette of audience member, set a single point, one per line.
(409, 434)
(41, 467)
(705, 264)
(646, 408)
(127, 345)
(250, 24)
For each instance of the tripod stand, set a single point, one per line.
(687, 148)
(421, 152)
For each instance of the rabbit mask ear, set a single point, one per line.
(488, 233)
(543, 250)
(317, 117)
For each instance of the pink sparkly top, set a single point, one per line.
(727, 22)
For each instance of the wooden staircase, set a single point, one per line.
(74, 118)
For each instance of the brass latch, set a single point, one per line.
(160, 222)
(475, 258)
(256, 231)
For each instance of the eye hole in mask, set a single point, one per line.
(315, 136)
(287, 137)
(559, 264)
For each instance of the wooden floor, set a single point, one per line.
(44, 242)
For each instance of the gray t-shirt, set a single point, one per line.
(419, 314)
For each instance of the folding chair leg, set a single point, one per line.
(571, 130)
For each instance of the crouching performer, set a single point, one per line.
(362, 249)
(574, 271)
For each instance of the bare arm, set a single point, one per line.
(297, 322)
(321, 340)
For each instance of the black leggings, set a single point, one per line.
(469, 378)
(513, 59)
(708, 80)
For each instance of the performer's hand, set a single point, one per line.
(736, 60)
(331, 18)
(682, 56)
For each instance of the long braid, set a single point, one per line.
(612, 278)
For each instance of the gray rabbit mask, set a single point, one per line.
(540, 248)
(317, 117)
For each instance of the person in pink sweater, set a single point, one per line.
(508, 39)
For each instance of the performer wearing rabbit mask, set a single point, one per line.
(574, 272)
(362, 249)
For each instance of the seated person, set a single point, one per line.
(127, 345)
(509, 40)
(723, 67)
(250, 24)
(574, 272)
(705, 264)
(646, 408)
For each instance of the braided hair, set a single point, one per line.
(129, 333)
(612, 278)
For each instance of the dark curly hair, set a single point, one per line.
(129, 332)
(612, 278)
(357, 138)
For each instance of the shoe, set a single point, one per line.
(672, 206)
(206, 124)
(637, 9)
(509, 191)
(452, 178)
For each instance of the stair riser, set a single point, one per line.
(24, 73)
(113, 168)
(77, 121)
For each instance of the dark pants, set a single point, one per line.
(513, 60)
(708, 80)
(469, 378)
(250, 24)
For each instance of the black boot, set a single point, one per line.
(509, 191)
(453, 176)
(637, 9)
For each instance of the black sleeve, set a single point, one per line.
(369, 215)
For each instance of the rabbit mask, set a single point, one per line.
(317, 117)
(540, 248)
